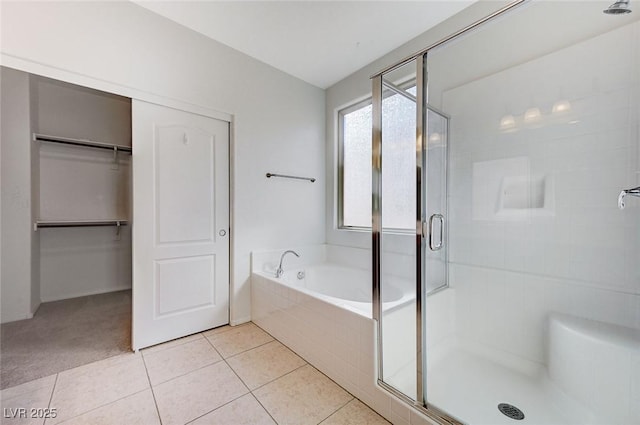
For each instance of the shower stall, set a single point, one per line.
(516, 137)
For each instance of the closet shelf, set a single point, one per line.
(81, 142)
(39, 224)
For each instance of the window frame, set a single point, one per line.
(340, 163)
(340, 169)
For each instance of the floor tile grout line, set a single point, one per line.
(251, 392)
(262, 345)
(153, 394)
(244, 351)
(251, 349)
(292, 371)
(237, 376)
(338, 409)
(281, 376)
(214, 347)
(231, 327)
(265, 331)
(230, 401)
(201, 367)
(23, 393)
(263, 407)
(174, 346)
(185, 373)
(254, 348)
(44, 422)
(318, 370)
(72, 368)
(240, 352)
(219, 407)
(182, 374)
(201, 333)
(97, 361)
(103, 405)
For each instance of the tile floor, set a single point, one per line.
(229, 375)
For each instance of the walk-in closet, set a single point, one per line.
(66, 222)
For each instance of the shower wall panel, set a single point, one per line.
(539, 153)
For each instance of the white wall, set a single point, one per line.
(82, 184)
(278, 120)
(16, 197)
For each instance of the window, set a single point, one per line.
(355, 166)
(399, 163)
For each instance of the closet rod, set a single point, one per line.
(80, 142)
(78, 223)
(311, 179)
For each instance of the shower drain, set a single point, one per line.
(511, 411)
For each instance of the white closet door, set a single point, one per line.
(180, 223)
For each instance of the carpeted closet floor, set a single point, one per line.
(65, 334)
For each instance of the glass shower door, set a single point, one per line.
(434, 276)
(410, 142)
(435, 200)
(410, 199)
(394, 229)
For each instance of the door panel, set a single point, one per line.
(180, 207)
(188, 162)
(172, 275)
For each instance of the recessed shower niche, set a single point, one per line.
(506, 189)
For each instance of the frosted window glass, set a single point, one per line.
(356, 190)
(398, 164)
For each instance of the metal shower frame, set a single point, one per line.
(420, 58)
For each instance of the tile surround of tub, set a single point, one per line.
(339, 343)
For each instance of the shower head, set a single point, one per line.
(620, 7)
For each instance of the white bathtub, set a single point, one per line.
(345, 287)
(325, 316)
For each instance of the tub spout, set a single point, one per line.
(279, 270)
(627, 192)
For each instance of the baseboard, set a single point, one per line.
(240, 321)
(33, 313)
(16, 319)
(84, 294)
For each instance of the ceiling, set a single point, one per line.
(320, 42)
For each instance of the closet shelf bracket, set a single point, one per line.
(114, 166)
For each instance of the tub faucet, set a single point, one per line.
(279, 270)
(627, 192)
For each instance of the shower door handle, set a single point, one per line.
(432, 219)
